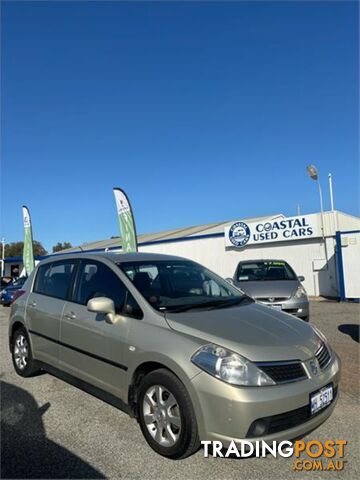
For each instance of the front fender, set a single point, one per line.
(17, 317)
(170, 349)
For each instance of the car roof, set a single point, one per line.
(114, 257)
(263, 260)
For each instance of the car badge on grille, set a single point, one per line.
(314, 366)
(271, 299)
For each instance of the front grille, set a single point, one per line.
(283, 421)
(323, 356)
(283, 372)
(272, 299)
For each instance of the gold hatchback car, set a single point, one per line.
(190, 356)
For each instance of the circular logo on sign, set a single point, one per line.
(239, 234)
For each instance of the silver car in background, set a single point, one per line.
(275, 284)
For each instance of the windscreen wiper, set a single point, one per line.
(229, 303)
(211, 305)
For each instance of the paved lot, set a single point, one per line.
(53, 430)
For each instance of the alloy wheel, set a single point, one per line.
(21, 352)
(162, 415)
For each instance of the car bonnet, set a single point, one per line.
(255, 331)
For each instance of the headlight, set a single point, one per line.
(300, 292)
(229, 366)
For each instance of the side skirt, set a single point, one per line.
(88, 388)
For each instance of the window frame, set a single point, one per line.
(51, 265)
(76, 279)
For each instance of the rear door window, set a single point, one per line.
(53, 279)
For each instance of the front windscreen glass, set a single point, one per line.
(260, 271)
(180, 285)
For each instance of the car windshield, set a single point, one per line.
(265, 270)
(180, 285)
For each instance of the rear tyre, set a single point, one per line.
(21, 353)
(166, 415)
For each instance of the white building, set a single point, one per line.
(324, 249)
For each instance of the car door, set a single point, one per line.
(45, 306)
(91, 348)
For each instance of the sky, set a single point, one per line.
(201, 111)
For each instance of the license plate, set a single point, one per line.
(274, 306)
(321, 399)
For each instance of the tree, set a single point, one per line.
(15, 249)
(61, 246)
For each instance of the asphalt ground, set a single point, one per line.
(50, 429)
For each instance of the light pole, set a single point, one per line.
(331, 192)
(313, 174)
(2, 256)
(332, 203)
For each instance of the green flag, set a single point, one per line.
(126, 221)
(28, 253)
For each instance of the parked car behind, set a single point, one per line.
(185, 352)
(275, 284)
(8, 294)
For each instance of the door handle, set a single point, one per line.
(32, 304)
(70, 315)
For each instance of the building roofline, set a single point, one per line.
(19, 258)
(166, 238)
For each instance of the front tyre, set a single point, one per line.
(22, 358)
(166, 415)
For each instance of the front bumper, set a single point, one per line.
(294, 306)
(225, 412)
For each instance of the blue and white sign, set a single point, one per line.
(282, 229)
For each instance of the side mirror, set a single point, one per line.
(230, 280)
(301, 278)
(103, 305)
